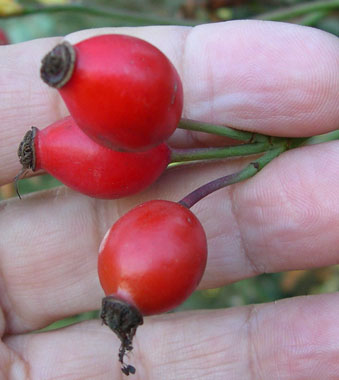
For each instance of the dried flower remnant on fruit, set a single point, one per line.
(26, 151)
(123, 320)
(57, 66)
(26, 154)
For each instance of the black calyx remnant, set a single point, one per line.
(26, 154)
(123, 319)
(57, 66)
(26, 150)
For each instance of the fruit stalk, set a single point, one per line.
(184, 155)
(249, 171)
(278, 146)
(220, 130)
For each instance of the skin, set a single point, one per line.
(260, 76)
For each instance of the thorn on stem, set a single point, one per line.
(255, 165)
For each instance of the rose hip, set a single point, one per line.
(65, 152)
(122, 91)
(149, 262)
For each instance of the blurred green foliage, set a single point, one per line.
(264, 288)
(144, 12)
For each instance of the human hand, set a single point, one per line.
(272, 78)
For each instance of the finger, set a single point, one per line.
(290, 339)
(25, 100)
(262, 225)
(292, 213)
(259, 76)
(254, 75)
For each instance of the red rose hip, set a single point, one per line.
(149, 262)
(122, 91)
(65, 152)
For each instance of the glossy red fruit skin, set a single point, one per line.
(153, 257)
(64, 151)
(124, 92)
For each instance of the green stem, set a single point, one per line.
(122, 16)
(184, 155)
(318, 139)
(326, 137)
(134, 18)
(278, 146)
(220, 130)
(249, 171)
(299, 10)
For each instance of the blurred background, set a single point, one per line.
(28, 19)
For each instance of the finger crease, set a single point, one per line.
(252, 351)
(242, 244)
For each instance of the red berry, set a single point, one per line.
(153, 257)
(69, 155)
(149, 262)
(122, 91)
(3, 38)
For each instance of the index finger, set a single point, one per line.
(268, 77)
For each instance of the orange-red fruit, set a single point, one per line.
(153, 257)
(68, 154)
(122, 91)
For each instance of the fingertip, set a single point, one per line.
(268, 77)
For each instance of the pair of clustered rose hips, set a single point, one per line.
(125, 100)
